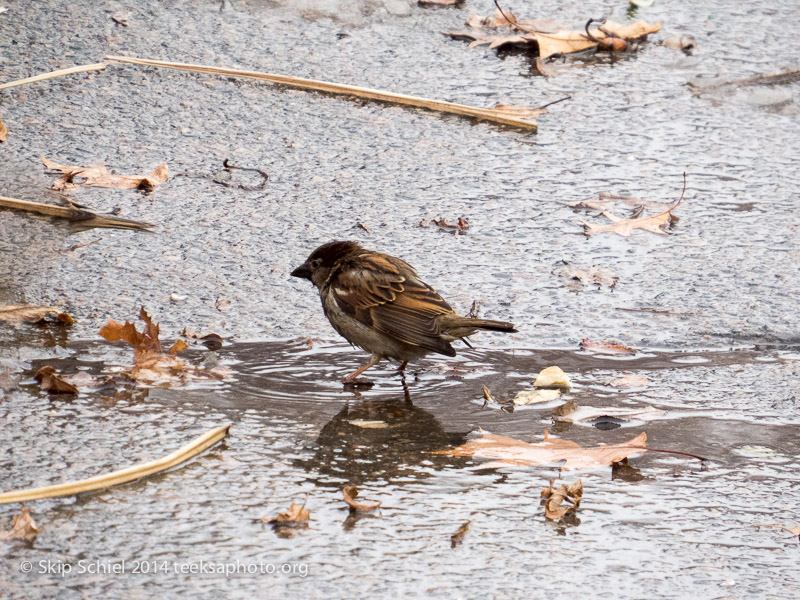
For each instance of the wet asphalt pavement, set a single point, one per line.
(711, 308)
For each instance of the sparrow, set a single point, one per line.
(377, 302)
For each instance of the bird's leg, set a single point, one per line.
(372, 362)
(401, 370)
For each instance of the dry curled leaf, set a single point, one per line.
(349, 493)
(23, 527)
(100, 177)
(3, 131)
(297, 513)
(554, 498)
(598, 347)
(509, 451)
(34, 314)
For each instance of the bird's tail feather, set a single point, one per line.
(457, 322)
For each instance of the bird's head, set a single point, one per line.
(318, 266)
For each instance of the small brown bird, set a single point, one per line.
(377, 302)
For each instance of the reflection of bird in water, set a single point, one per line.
(379, 439)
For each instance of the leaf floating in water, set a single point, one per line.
(605, 347)
(349, 493)
(150, 363)
(553, 499)
(297, 513)
(624, 227)
(536, 397)
(510, 451)
(34, 314)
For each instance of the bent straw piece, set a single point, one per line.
(487, 114)
(85, 217)
(181, 455)
(54, 74)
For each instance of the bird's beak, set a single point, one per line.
(302, 271)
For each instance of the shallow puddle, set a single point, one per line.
(667, 526)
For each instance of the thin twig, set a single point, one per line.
(487, 114)
(648, 449)
(543, 106)
(54, 74)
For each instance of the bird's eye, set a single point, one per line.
(316, 263)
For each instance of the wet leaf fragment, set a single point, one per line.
(509, 451)
(628, 381)
(598, 347)
(458, 536)
(23, 527)
(535, 397)
(296, 514)
(589, 413)
(34, 314)
(625, 472)
(680, 42)
(349, 494)
(100, 177)
(52, 382)
(460, 226)
(554, 498)
(588, 275)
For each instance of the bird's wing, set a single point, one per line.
(384, 292)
